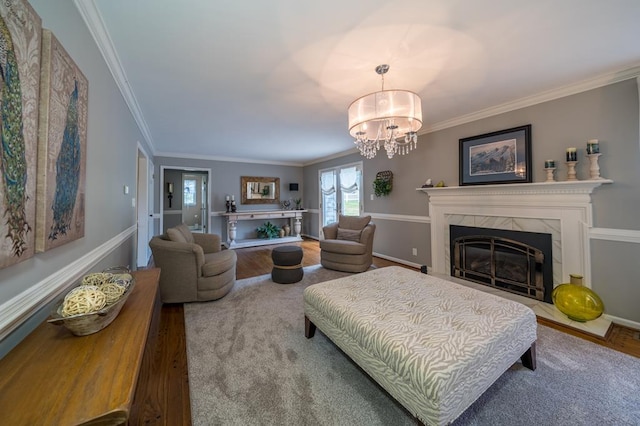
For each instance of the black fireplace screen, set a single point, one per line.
(515, 261)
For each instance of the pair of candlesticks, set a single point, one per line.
(231, 204)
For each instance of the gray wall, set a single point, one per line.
(225, 180)
(609, 114)
(111, 164)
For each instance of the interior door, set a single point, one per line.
(194, 205)
(340, 193)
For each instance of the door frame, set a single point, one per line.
(144, 197)
(359, 164)
(163, 193)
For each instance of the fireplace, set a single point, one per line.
(562, 209)
(516, 261)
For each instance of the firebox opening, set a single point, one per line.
(515, 261)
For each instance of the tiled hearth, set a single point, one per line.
(562, 209)
(597, 327)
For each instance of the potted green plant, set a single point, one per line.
(298, 202)
(381, 187)
(268, 230)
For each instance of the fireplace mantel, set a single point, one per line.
(565, 206)
(578, 187)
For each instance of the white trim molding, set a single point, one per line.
(174, 155)
(624, 322)
(399, 217)
(540, 204)
(93, 19)
(548, 95)
(610, 234)
(18, 309)
(395, 259)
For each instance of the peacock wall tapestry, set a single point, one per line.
(62, 147)
(20, 38)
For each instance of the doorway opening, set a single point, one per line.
(186, 196)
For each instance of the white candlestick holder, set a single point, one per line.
(571, 170)
(594, 168)
(550, 171)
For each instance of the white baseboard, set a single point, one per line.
(624, 322)
(18, 309)
(395, 259)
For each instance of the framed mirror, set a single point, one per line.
(260, 190)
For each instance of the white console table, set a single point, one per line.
(294, 216)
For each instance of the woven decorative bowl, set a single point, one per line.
(89, 323)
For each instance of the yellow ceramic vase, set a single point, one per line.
(577, 302)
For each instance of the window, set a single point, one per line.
(340, 192)
(189, 194)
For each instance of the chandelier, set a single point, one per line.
(389, 118)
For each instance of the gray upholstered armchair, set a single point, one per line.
(193, 266)
(348, 244)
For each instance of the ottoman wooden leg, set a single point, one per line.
(309, 328)
(529, 357)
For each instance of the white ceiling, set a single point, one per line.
(272, 80)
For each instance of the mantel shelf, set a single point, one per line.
(576, 186)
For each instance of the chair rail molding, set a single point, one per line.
(399, 217)
(612, 234)
(19, 308)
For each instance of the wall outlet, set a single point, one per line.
(371, 197)
(415, 251)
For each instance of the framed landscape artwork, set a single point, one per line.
(495, 158)
(62, 147)
(20, 37)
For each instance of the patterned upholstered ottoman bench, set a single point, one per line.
(434, 345)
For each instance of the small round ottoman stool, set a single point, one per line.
(287, 264)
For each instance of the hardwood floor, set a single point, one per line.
(254, 261)
(163, 392)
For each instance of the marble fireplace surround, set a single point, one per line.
(562, 209)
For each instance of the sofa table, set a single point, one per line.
(294, 216)
(53, 377)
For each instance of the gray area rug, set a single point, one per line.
(250, 364)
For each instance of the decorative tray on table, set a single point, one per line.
(95, 302)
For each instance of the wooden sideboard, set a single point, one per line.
(55, 378)
(294, 216)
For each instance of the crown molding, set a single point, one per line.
(92, 18)
(229, 159)
(548, 95)
(331, 157)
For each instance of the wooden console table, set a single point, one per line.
(55, 378)
(294, 216)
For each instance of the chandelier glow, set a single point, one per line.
(389, 118)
